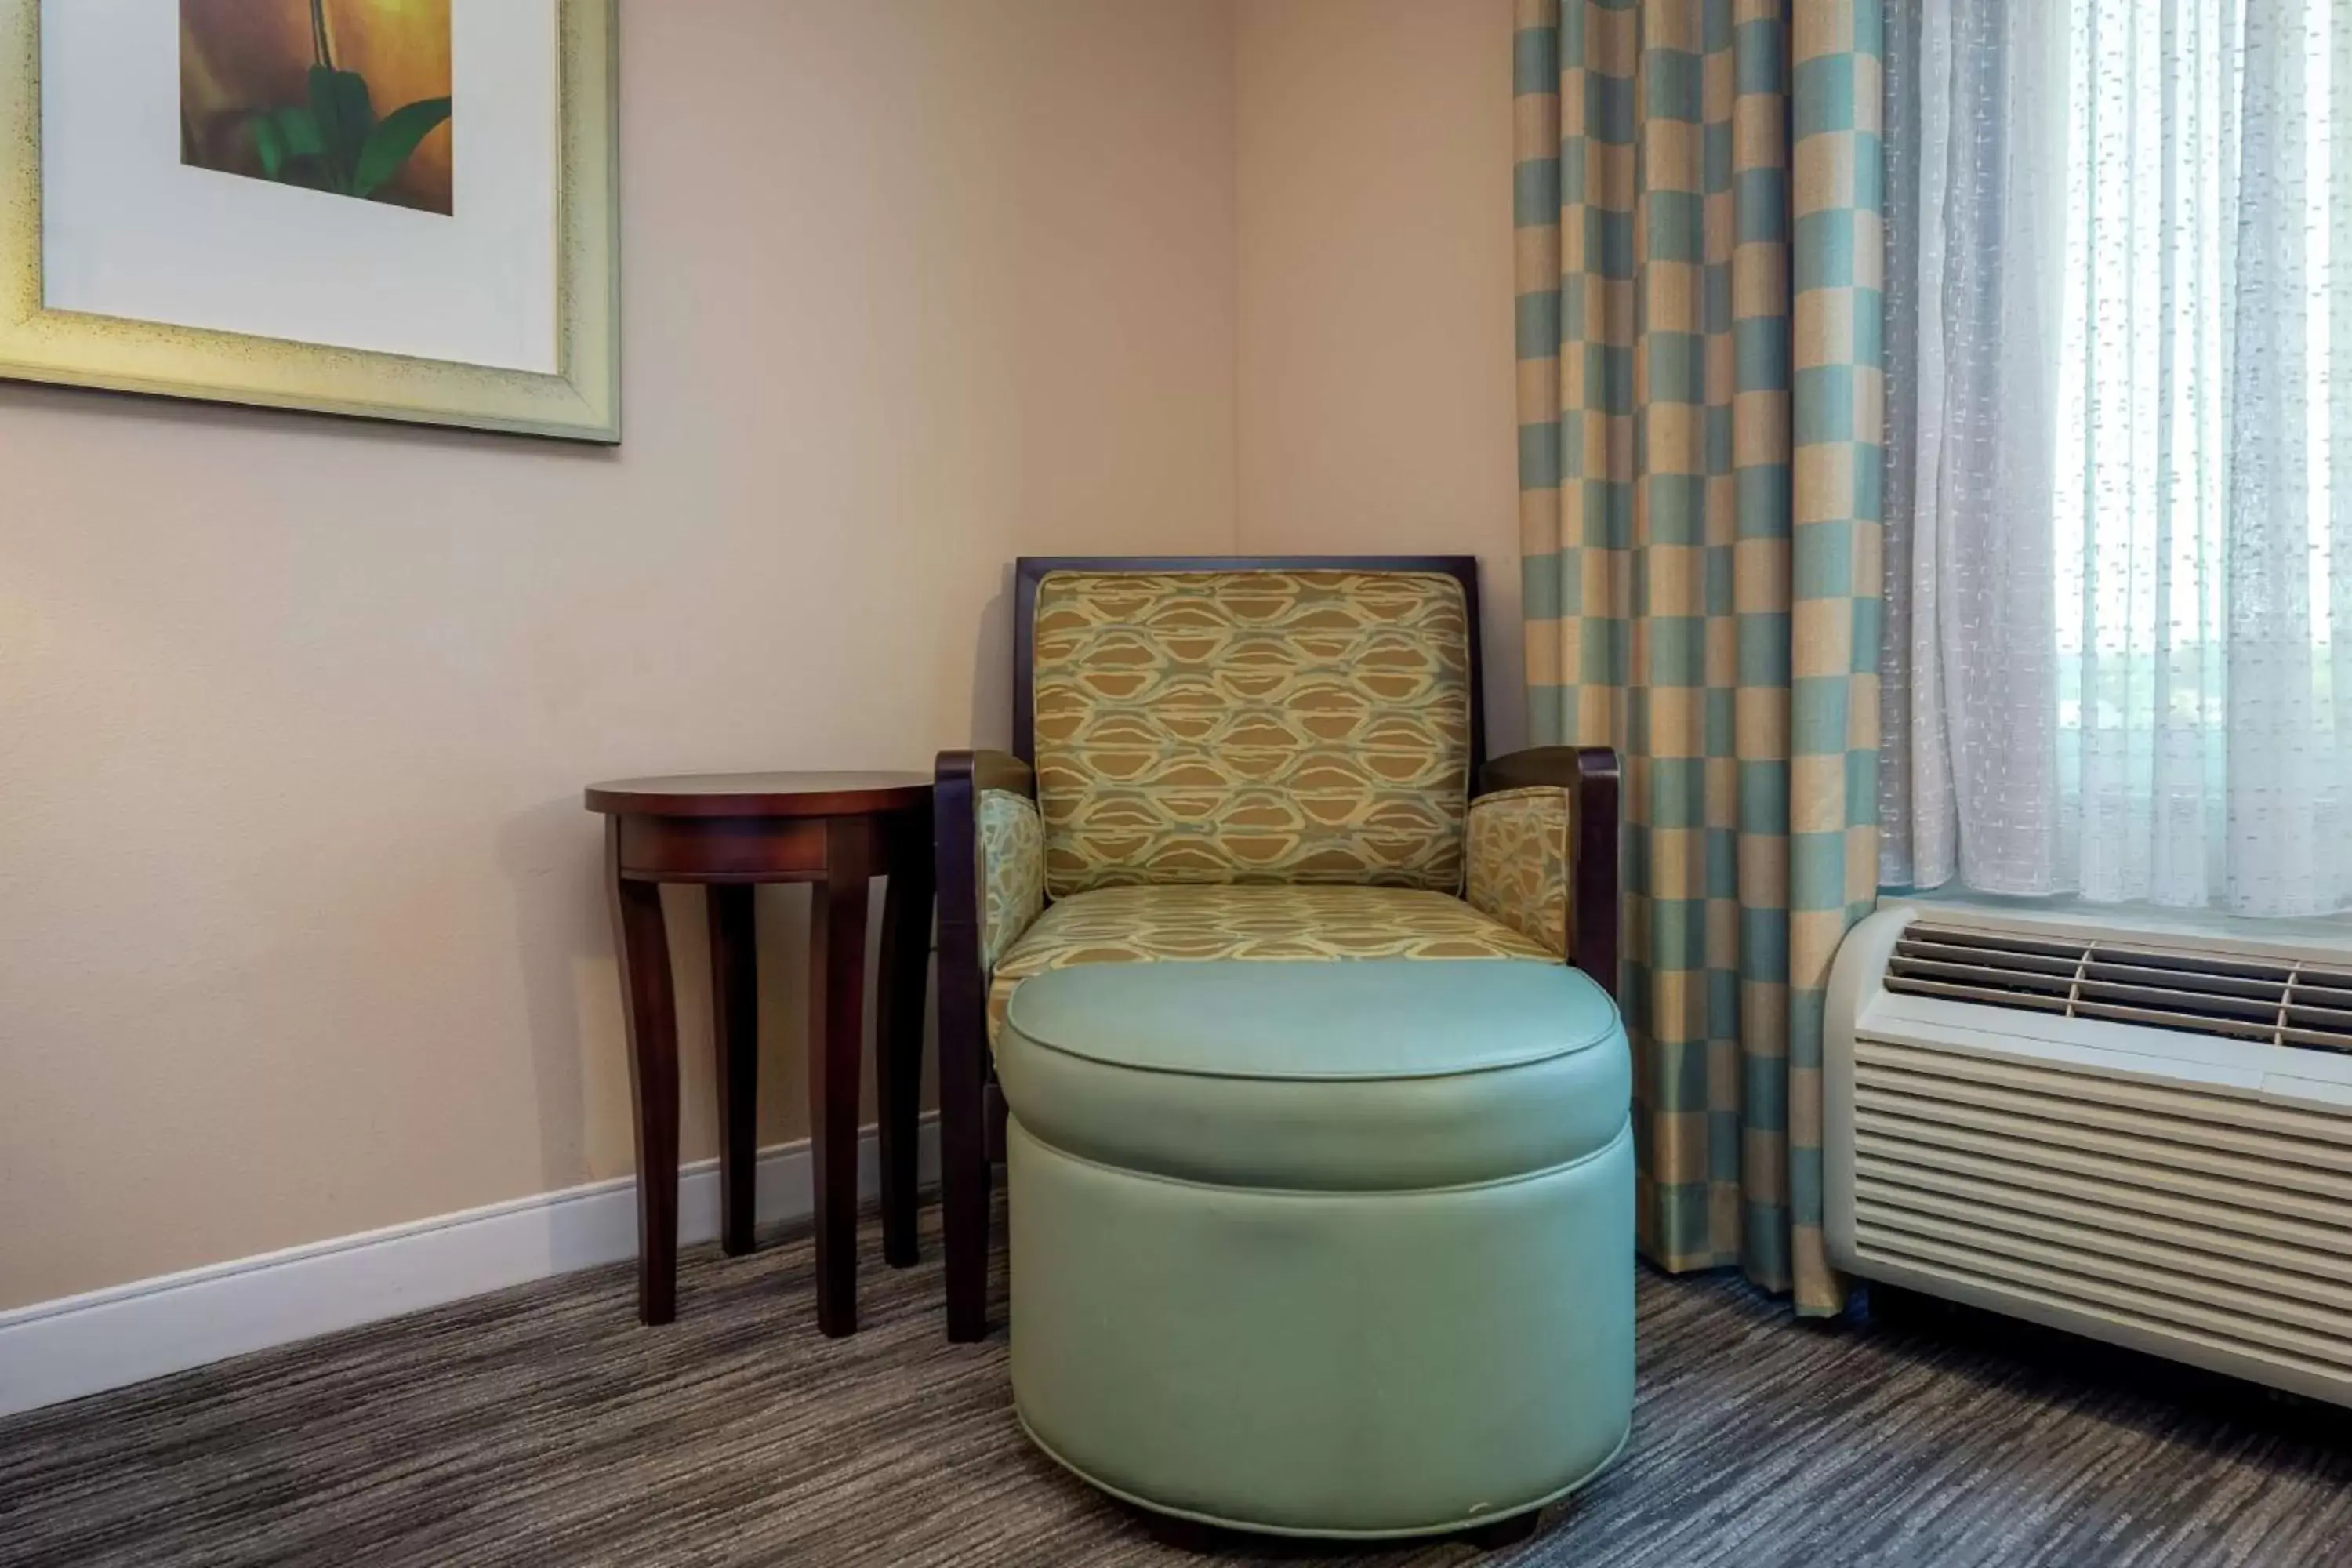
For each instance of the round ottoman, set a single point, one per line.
(1322, 1248)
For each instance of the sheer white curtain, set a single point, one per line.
(2119, 631)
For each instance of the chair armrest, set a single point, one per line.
(1589, 775)
(988, 770)
(962, 782)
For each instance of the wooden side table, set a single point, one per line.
(731, 832)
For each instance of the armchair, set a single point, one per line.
(1254, 758)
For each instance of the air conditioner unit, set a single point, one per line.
(2131, 1130)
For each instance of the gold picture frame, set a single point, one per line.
(582, 401)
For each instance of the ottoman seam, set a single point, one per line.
(1623, 1135)
(1578, 1050)
(1449, 1528)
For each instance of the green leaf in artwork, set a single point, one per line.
(392, 140)
(340, 101)
(268, 145)
(359, 112)
(298, 129)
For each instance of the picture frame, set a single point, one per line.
(577, 399)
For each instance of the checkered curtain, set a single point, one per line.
(1699, 430)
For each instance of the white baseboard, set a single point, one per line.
(61, 1350)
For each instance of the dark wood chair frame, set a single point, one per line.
(971, 1108)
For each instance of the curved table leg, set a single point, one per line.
(652, 1014)
(899, 1028)
(735, 1027)
(835, 1052)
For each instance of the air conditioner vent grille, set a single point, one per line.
(2216, 1226)
(2233, 997)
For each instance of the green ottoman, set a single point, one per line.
(1322, 1248)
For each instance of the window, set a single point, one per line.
(2126, 660)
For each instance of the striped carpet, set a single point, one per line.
(542, 1425)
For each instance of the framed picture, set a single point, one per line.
(397, 209)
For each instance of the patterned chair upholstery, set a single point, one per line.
(1274, 762)
(1252, 727)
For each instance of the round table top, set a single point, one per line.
(762, 795)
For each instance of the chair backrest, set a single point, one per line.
(1279, 720)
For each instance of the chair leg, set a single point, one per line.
(965, 1222)
(963, 1169)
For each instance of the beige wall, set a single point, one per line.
(300, 925)
(300, 929)
(1375, 399)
